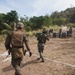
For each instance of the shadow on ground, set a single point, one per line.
(8, 68)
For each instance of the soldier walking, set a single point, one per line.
(15, 45)
(41, 37)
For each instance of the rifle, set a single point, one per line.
(9, 52)
(7, 56)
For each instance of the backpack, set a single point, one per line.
(17, 38)
(41, 37)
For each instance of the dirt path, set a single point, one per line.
(58, 53)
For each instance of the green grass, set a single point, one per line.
(31, 33)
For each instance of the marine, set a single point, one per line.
(41, 38)
(14, 43)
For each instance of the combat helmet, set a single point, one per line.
(44, 31)
(19, 25)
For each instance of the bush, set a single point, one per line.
(6, 26)
(4, 32)
(29, 33)
(71, 24)
(28, 28)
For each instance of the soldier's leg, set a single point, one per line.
(16, 63)
(41, 56)
(38, 50)
(41, 52)
(17, 70)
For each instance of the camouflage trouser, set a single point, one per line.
(40, 50)
(16, 63)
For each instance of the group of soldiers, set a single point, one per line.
(15, 43)
(63, 32)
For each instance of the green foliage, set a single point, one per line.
(4, 32)
(7, 19)
(47, 21)
(4, 26)
(72, 18)
(27, 28)
(59, 21)
(2, 16)
(54, 27)
(11, 17)
(71, 25)
(29, 33)
(34, 23)
(68, 14)
(7, 26)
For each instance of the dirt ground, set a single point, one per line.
(59, 57)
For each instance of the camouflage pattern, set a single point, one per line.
(42, 37)
(16, 63)
(40, 47)
(45, 31)
(16, 52)
(41, 42)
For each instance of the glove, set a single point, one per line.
(25, 52)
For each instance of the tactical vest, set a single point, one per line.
(17, 39)
(41, 38)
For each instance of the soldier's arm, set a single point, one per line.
(47, 38)
(27, 46)
(7, 42)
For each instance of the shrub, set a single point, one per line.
(4, 32)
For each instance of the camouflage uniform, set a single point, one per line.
(16, 61)
(41, 43)
(45, 31)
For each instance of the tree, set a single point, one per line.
(4, 26)
(37, 22)
(59, 21)
(47, 20)
(72, 19)
(11, 17)
(1, 18)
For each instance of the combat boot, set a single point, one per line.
(42, 60)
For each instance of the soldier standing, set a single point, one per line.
(42, 37)
(60, 33)
(70, 31)
(15, 45)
